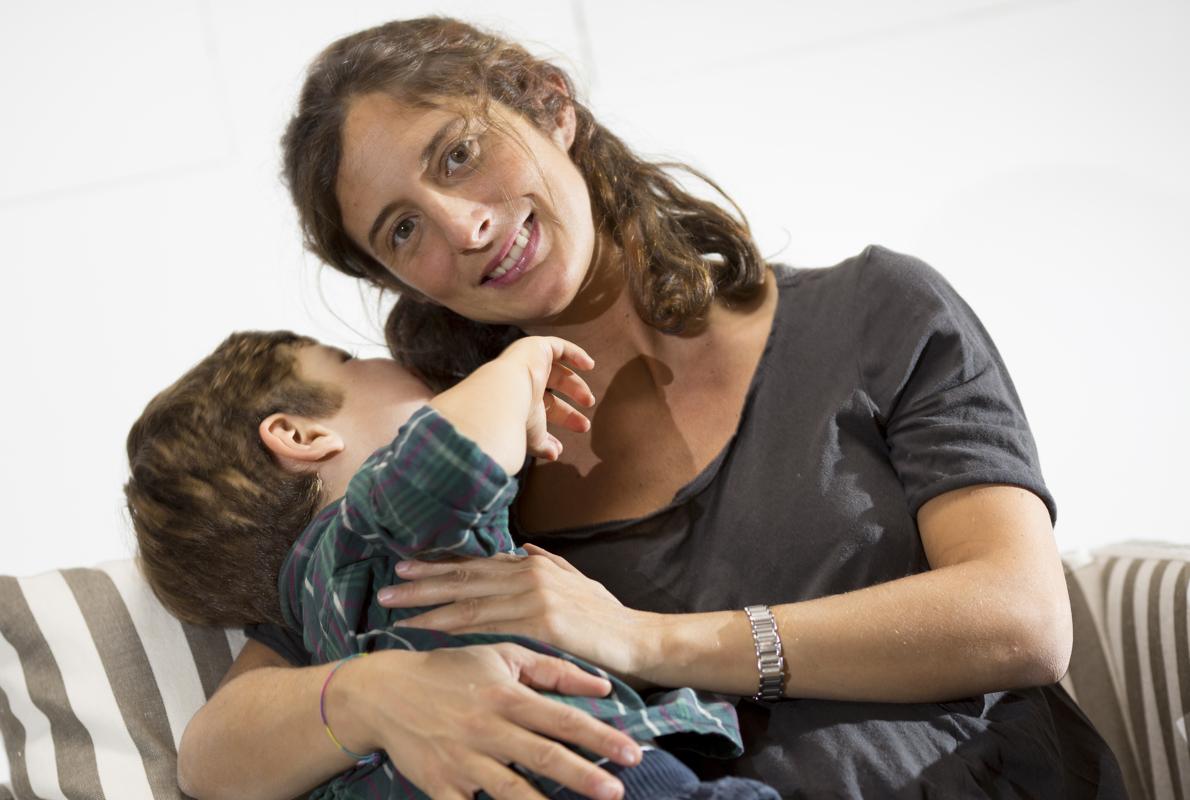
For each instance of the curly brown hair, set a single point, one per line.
(680, 252)
(214, 513)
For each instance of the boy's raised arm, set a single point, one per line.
(504, 405)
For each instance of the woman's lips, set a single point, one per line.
(515, 263)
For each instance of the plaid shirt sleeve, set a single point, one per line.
(430, 493)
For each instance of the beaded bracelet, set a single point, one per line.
(360, 760)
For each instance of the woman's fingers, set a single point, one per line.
(486, 614)
(498, 780)
(551, 759)
(543, 672)
(461, 570)
(534, 550)
(567, 723)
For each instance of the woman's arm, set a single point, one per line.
(991, 614)
(451, 720)
(243, 741)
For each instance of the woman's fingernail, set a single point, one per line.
(629, 755)
(387, 594)
(609, 791)
(403, 567)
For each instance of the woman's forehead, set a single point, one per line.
(377, 122)
(384, 142)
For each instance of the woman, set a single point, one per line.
(841, 445)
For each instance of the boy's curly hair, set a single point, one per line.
(214, 513)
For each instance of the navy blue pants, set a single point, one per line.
(660, 776)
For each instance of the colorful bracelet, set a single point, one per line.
(360, 760)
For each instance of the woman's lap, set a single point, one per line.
(1003, 747)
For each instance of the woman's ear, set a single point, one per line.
(299, 441)
(564, 121)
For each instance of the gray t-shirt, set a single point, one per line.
(878, 389)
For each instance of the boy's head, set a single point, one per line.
(231, 462)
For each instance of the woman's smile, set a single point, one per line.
(519, 256)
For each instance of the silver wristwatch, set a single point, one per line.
(769, 657)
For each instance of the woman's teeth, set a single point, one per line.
(518, 247)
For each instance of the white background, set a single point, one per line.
(1034, 152)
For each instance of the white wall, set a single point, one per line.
(1033, 152)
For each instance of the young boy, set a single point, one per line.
(234, 460)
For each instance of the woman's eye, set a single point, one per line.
(461, 157)
(402, 232)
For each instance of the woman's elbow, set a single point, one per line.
(198, 775)
(188, 774)
(194, 775)
(1042, 644)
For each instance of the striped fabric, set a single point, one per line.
(1130, 669)
(97, 683)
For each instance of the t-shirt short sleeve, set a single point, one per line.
(287, 643)
(939, 388)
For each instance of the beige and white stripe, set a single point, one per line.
(97, 683)
(1130, 601)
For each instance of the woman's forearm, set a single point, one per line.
(993, 614)
(451, 720)
(260, 735)
(923, 638)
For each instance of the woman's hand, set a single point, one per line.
(541, 596)
(452, 722)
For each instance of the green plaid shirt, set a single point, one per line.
(433, 493)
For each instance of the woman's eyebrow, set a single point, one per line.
(423, 161)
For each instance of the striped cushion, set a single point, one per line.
(1130, 670)
(97, 683)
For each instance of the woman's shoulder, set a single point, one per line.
(874, 266)
(875, 285)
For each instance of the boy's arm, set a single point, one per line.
(443, 486)
(504, 405)
(431, 492)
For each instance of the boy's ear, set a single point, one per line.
(299, 439)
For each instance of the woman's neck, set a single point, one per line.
(602, 319)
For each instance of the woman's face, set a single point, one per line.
(497, 228)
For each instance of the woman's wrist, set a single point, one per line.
(351, 706)
(713, 651)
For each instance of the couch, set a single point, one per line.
(97, 680)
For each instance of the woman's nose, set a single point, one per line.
(468, 224)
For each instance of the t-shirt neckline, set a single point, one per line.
(784, 276)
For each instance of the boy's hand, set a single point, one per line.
(547, 358)
(523, 386)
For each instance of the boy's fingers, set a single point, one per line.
(548, 447)
(571, 353)
(563, 380)
(559, 412)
